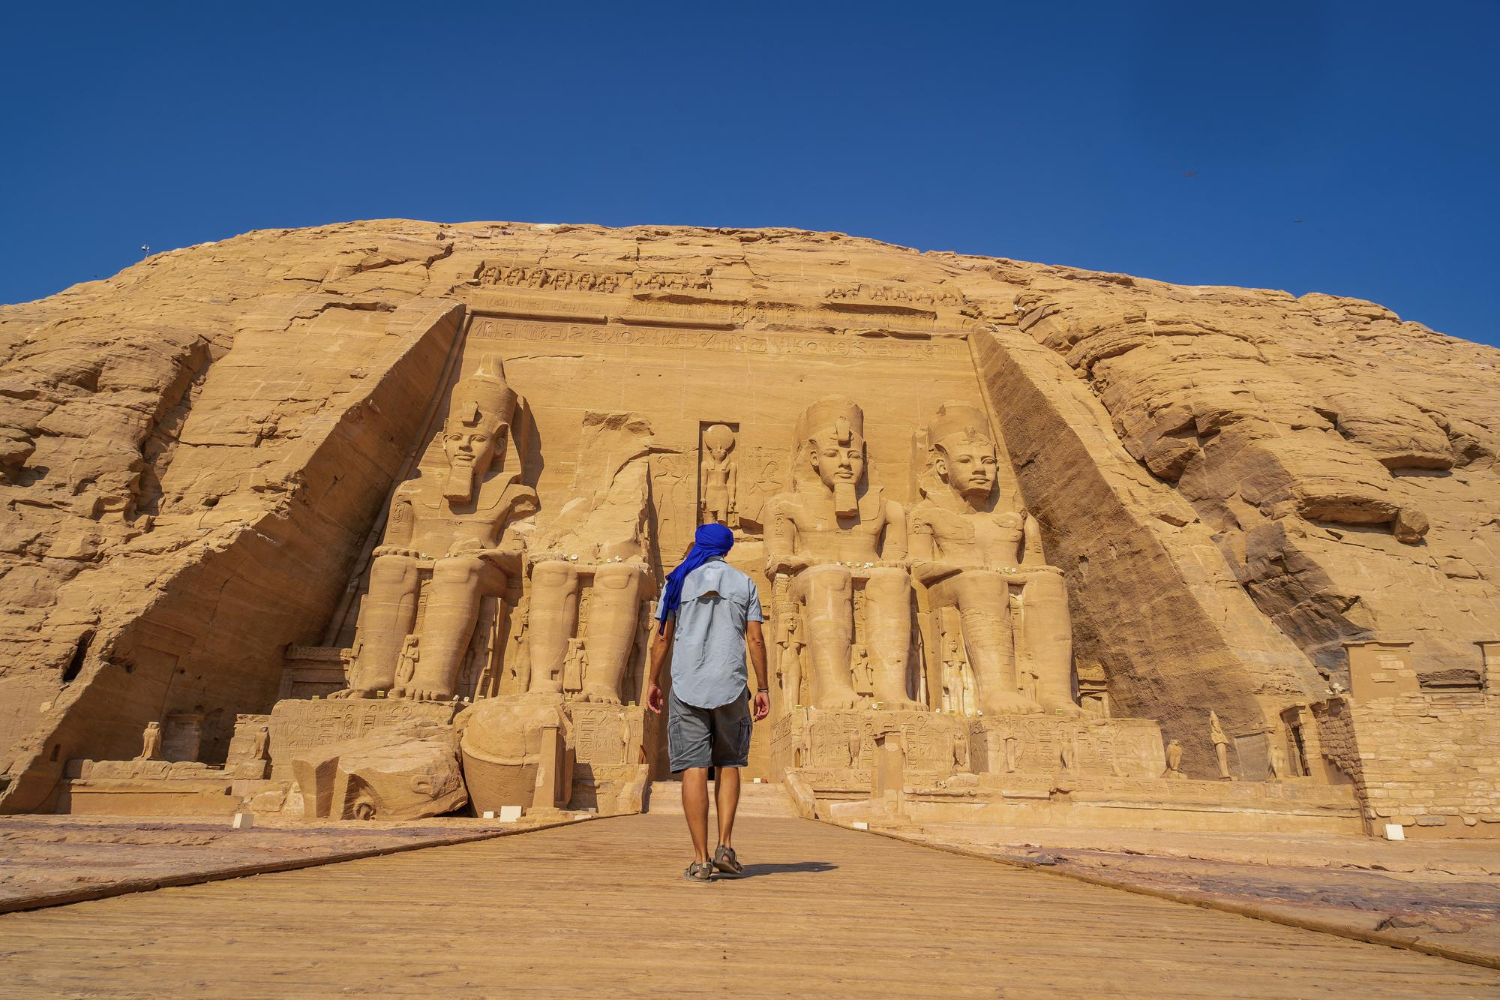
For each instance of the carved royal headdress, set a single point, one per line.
(953, 421)
(485, 391)
(958, 420)
(838, 417)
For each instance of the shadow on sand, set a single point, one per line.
(794, 868)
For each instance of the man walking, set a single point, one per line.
(712, 611)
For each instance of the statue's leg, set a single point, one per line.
(888, 627)
(612, 627)
(828, 595)
(386, 617)
(554, 619)
(453, 596)
(1047, 633)
(983, 599)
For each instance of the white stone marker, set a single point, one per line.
(860, 825)
(1393, 831)
(244, 821)
(509, 814)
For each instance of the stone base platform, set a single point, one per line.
(146, 788)
(1033, 770)
(1303, 806)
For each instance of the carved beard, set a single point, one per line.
(460, 486)
(845, 499)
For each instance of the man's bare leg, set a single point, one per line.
(695, 808)
(726, 800)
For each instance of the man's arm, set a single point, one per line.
(757, 643)
(659, 647)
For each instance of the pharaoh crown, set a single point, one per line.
(484, 392)
(958, 419)
(837, 416)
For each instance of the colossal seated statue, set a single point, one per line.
(970, 555)
(446, 547)
(830, 537)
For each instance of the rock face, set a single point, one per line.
(198, 457)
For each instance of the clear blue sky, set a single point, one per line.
(1351, 148)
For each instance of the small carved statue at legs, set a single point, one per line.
(386, 616)
(554, 619)
(618, 588)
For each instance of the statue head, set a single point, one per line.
(719, 440)
(963, 453)
(479, 415)
(831, 438)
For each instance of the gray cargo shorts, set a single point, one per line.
(708, 737)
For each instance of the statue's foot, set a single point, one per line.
(845, 699)
(353, 693)
(1011, 704)
(601, 693)
(427, 694)
(902, 704)
(1065, 709)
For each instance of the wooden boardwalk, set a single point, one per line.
(599, 910)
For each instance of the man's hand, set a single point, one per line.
(654, 698)
(762, 705)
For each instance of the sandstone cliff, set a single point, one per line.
(1234, 481)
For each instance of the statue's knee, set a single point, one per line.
(827, 579)
(981, 588)
(391, 570)
(617, 577)
(888, 584)
(553, 573)
(456, 569)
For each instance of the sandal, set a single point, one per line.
(726, 862)
(699, 871)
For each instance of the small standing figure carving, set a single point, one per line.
(856, 748)
(262, 748)
(1221, 745)
(1012, 754)
(406, 664)
(953, 667)
(864, 673)
(151, 742)
(574, 666)
(718, 478)
(1174, 761)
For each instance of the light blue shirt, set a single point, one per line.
(708, 636)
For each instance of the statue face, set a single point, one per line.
(969, 466)
(718, 453)
(472, 449)
(838, 463)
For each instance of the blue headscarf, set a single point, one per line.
(709, 540)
